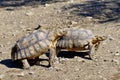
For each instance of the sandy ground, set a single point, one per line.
(102, 17)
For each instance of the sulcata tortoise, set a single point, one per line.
(78, 39)
(35, 44)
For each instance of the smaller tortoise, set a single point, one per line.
(35, 44)
(79, 39)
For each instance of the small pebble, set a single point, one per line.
(63, 59)
(28, 29)
(71, 1)
(3, 36)
(59, 11)
(110, 37)
(116, 54)
(21, 74)
(111, 52)
(22, 26)
(58, 69)
(73, 22)
(13, 34)
(116, 61)
(29, 13)
(77, 69)
(105, 60)
(2, 76)
(46, 5)
(31, 72)
(10, 8)
(89, 18)
(1, 45)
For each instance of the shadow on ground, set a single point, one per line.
(17, 64)
(18, 3)
(72, 54)
(103, 10)
(10, 64)
(64, 54)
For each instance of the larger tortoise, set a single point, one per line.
(79, 39)
(35, 44)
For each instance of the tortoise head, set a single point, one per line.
(101, 38)
(97, 39)
(60, 32)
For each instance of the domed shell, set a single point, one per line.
(75, 37)
(31, 45)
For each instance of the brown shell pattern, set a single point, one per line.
(75, 38)
(30, 46)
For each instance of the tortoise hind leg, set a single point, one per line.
(52, 57)
(57, 53)
(25, 64)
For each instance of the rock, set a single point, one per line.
(58, 69)
(111, 52)
(117, 54)
(110, 37)
(89, 18)
(105, 60)
(73, 22)
(63, 59)
(2, 76)
(22, 26)
(79, 59)
(1, 45)
(22, 74)
(115, 61)
(77, 69)
(50, 68)
(66, 79)
(31, 72)
(8, 43)
(101, 77)
(59, 11)
(104, 78)
(29, 29)
(71, 1)
(76, 57)
(46, 5)
(29, 13)
(3, 36)
(13, 34)
(10, 8)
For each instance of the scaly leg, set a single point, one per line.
(57, 52)
(91, 51)
(52, 56)
(25, 64)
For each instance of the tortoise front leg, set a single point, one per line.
(25, 64)
(91, 51)
(52, 56)
(57, 52)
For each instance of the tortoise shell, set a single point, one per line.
(75, 38)
(31, 46)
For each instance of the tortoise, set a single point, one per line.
(35, 44)
(79, 39)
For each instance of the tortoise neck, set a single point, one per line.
(95, 40)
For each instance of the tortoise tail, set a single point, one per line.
(13, 52)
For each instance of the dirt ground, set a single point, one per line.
(100, 16)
